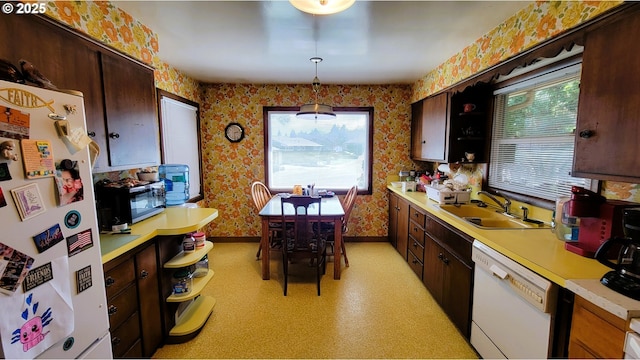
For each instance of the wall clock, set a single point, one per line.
(234, 132)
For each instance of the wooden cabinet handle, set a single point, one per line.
(91, 134)
(415, 261)
(415, 244)
(446, 261)
(112, 310)
(440, 256)
(115, 341)
(144, 274)
(585, 134)
(114, 135)
(109, 281)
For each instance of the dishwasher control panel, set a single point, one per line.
(532, 287)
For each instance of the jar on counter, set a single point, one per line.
(199, 238)
(188, 244)
(201, 267)
(182, 282)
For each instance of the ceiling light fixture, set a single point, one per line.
(322, 7)
(316, 111)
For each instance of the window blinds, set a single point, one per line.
(533, 135)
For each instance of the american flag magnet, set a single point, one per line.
(79, 242)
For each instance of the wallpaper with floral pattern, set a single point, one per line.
(229, 169)
(530, 26)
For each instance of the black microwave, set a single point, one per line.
(126, 202)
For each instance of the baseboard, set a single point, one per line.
(256, 239)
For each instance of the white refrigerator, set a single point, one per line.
(52, 295)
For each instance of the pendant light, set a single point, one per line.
(316, 111)
(322, 7)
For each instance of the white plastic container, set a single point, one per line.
(446, 196)
(408, 186)
(176, 183)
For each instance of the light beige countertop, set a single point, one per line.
(593, 291)
(172, 221)
(536, 249)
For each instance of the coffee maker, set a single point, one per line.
(625, 278)
(600, 220)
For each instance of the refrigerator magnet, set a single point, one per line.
(4, 172)
(3, 201)
(83, 279)
(28, 201)
(48, 238)
(72, 219)
(79, 242)
(37, 277)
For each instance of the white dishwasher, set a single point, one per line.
(513, 308)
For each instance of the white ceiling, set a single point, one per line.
(264, 42)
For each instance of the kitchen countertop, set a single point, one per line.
(536, 249)
(593, 291)
(172, 221)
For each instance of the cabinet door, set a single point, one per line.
(393, 219)
(69, 61)
(149, 294)
(130, 105)
(595, 332)
(609, 104)
(402, 233)
(456, 294)
(433, 274)
(431, 129)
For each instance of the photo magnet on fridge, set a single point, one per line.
(69, 183)
(48, 238)
(14, 266)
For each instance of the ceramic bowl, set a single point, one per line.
(148, 176)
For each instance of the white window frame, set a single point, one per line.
(277, 184)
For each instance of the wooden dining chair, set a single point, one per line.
(303, 240)
(261, 196)
(328, 228)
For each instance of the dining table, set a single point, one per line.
(330, 211)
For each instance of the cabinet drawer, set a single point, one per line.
(122, 306)
(125, 336)
(596, 330)
(416, 232)
(416, 216)
(417, 248)
(119, 277)
(414, 263)
(135, 352)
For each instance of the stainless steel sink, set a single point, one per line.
(488, 218)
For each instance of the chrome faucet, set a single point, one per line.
(506, 207)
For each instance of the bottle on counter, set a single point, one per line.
(176, 183)
(189, 244)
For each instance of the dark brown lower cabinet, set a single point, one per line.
(398, 223)
(133, 303)
(448, 271)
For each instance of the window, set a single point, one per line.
(332, 154)
(179, 117)
(533, 135)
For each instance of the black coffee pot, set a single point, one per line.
(628, 262)
(625, 278)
